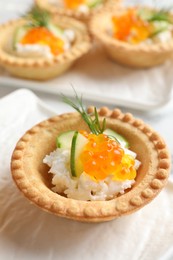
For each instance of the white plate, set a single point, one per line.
(101, 80)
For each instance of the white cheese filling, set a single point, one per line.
(83, 9)
(163, 37)
(84, 187)
(33, 50)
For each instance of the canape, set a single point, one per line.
(40, 46)
(137, 37)
(91, 166)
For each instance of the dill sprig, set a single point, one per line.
(37, 17)
(155, 16)
(161, 15)
(91, 120)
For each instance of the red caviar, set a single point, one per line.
(102, 157)
(41, 35)
(72, 4)
(129, 27)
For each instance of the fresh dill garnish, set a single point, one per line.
(91, 120)
(161, 19)
(162, 15)
(159, 16)
(37, 17)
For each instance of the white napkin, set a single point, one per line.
(27, 232)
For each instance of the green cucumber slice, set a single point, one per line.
(145, 14)
(78, 143)
(57, 31)
(19, 34)
(64, 140)
(123, 141)
(93, 3)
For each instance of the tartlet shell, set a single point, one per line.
(42, 68)
(85, 17)
(135, 56)
(32, 178)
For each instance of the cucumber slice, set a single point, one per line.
(93, 3)
(123, 141)
(145, 14)
(57, 31)
(19, 34)
(64, 140)
(78, 143)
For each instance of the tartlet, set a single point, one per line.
(142, 55)
(31, 174)
(42, 68)
(84, 16)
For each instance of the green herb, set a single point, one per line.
(37, 17)
(94, 4)
(161, 20)
(161, 15)
(155, 16)
(91, 120)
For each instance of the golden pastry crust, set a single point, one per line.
(42, 68)
(46, 5)
(32, 178)
(135, 56)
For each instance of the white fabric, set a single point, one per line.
(26, 232)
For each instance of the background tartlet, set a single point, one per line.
(132, 55)
(55, 9)
(32, 178)
(42, 68)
